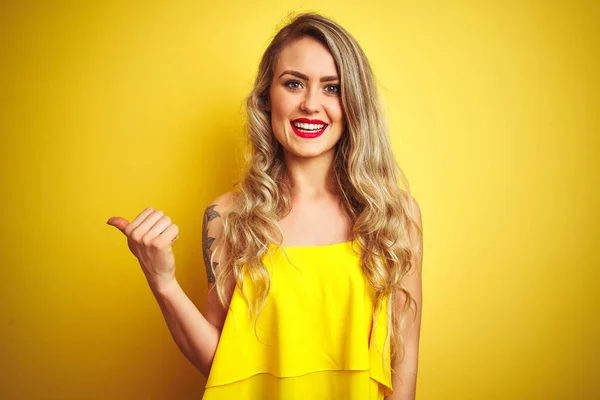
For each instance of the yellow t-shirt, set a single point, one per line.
(314, 338)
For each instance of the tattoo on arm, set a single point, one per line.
(207, 241)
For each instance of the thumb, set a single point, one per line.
(118, 222)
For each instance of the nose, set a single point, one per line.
(310, 103)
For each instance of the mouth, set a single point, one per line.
(308, 128)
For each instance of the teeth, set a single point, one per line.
(309, 127)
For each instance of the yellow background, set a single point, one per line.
(108, 107)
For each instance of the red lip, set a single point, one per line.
(309, 121)
(308, 135)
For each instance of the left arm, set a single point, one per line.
(404, 379)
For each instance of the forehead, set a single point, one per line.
(308, 56)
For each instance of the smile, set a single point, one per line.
(308, 128)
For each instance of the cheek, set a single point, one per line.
(337, 114)
(280, 103)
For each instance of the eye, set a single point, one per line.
(293, 85)
(333, 89)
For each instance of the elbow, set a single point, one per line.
(203, 360)
(202, 364)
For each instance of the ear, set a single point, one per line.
(268, 105)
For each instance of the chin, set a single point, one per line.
(310, 153)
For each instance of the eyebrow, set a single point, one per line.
(302, 76)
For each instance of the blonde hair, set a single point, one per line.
(365, 172)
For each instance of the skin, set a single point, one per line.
(150, 237)
(309, 161)
(207, 242)
(404, 381)
(316, 218)
(292, 96)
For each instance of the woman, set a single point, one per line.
(314, 260)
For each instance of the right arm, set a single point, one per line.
(195, 334)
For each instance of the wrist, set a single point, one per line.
(161, 286)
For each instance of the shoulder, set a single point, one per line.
(412, 207)
(222, 205)
(217, 210)
(214, 214)
(212, 231)
(415, 220)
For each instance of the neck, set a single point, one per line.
(311, 178)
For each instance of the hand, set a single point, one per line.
(150, 237)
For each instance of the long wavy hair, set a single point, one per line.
(365, 172)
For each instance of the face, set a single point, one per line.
(304, 100)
